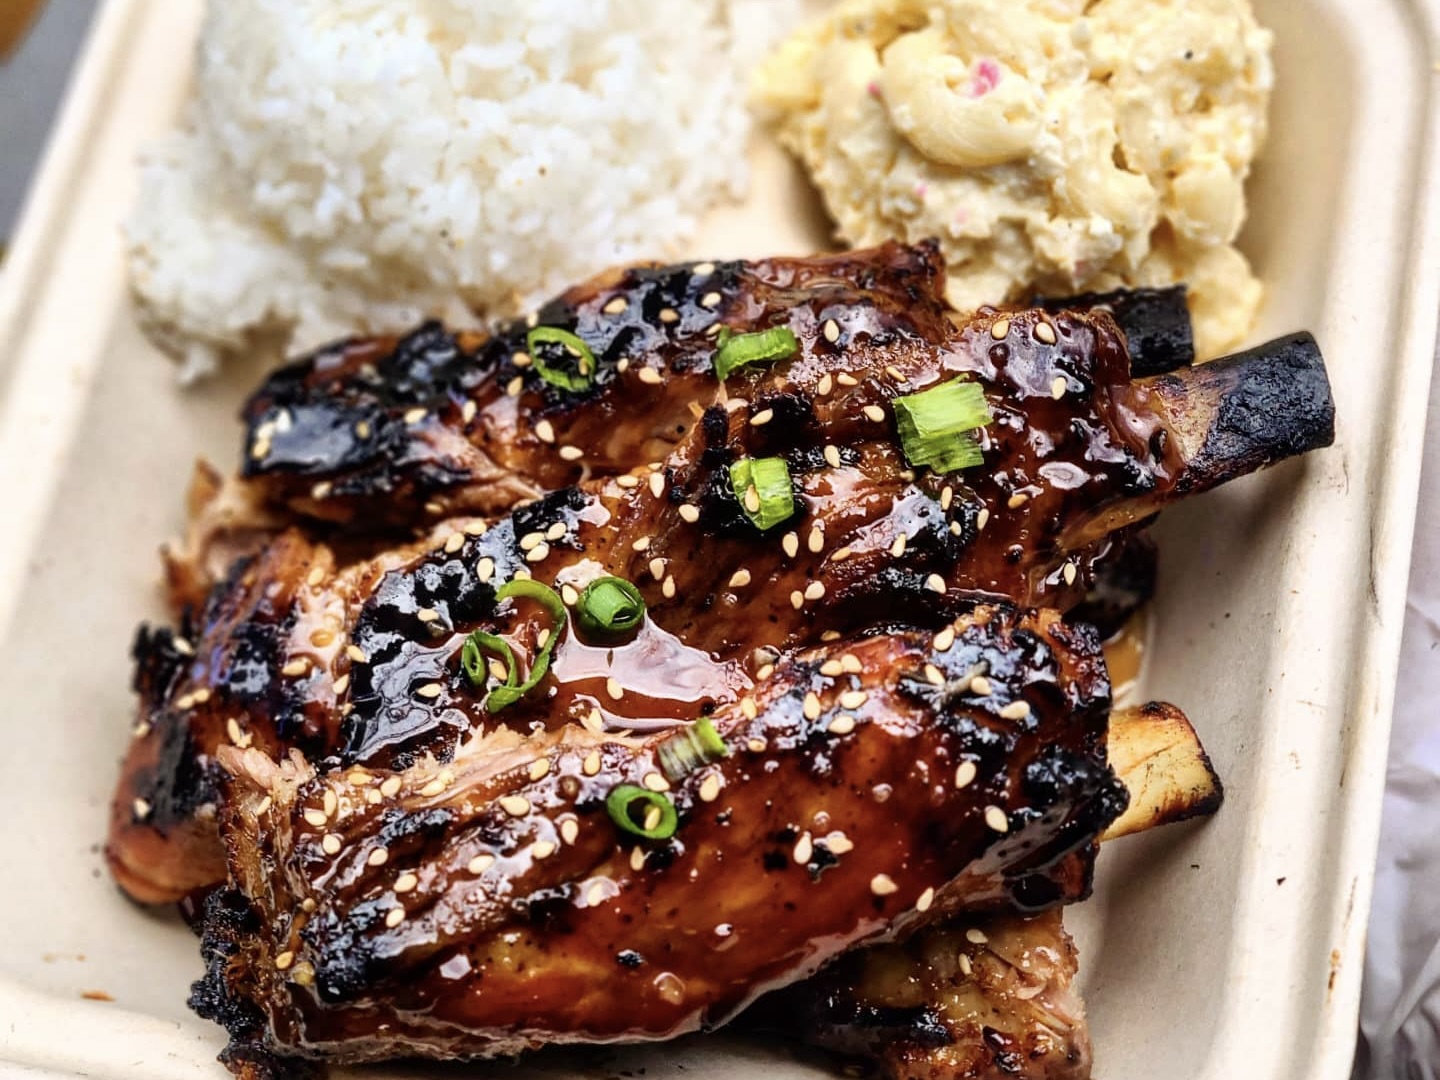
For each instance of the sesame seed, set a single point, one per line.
(995, 818)
(947, 496)
(840, 554)
(966, 968)
(935, 583)
(331, 802)
(141, 729)
(595, 894)
(850, 664)
(394, 917)
(764, 672)
(315, 577)
(831, 668)
(362, 429)
(468, 411)
(1016, 710)
(359, 777)
(650, 376)
(622, 365)
(825, 385)
(897, 546)
(515, 805)
(593, 722)
(591, 764)
(816, 540)
(752, 499)
(655, 782)
(1068, 572)
(330, 844)
(521, 359)
(372, 796)
(391, 787)
(378, 857)
(853, 699)
(514, 386)
(569, 596)
(1045, 332)
(657, 484)
(542, 849)
(657, 568)
(614, 689)
(811, 707)
(297, 666)
(756, 746)
(667, 587)
(846, 379)
(571, 453)
(702, 269)
(710, 788)
(628, 482)
(480, 863)
(232, 728)
(140, 808)
(357, 654)
(843, 724)
(999, 328)
(260, 449)
(637, 860)
(641, 543)
(976, 937)
(764, 416)
(797, 599)
(669, 315)
(688, 513)
(815, 590)
(652, 819)
(430, 690)
(933, 676)
(1058, 386)
(545, 431)
(341, 684)
(183, 647)
(924, 900)
(832, 456)
(965, 774)
(710, 300)
(530, 539)
(426, 614)
(944, 639)
(1017, 500)
(791, 543)
(883, 885)
(454, 542)
(569, 830)
(839, 844)
(749, 707)
(982, 518)
(538, 553)
(542, 637)
(414, 416)
(616, 306)
(980, 686)
(431, 789)
(316, 817)
(284, 959)
(804, 848)
(831, 330)
(874, 412)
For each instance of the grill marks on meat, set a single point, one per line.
(508, 910)
(434, 423)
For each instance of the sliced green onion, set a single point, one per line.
(472, 658)
(761, 347)
(610, 606)
(762, 485)
(505, 695)
(689, 748)
(937, 426)
(582, 378)
(658, 818)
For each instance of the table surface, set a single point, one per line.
(1401, 1012)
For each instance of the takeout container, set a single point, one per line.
(1225, 949)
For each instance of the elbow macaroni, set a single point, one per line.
(1051, 145)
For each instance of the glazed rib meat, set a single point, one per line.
(291, 652)
(506, 909)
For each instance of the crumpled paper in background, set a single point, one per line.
(1400, 1012)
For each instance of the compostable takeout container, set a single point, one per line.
(1226, 949)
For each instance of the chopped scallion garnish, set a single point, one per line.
(937, 426)
(761, 347)
(610, 606)
(762, 485)
(529, 589)
(582, 378)
(642, 812)
(689, 748)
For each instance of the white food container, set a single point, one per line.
(1228, 949)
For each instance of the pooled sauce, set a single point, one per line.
(1125, 657)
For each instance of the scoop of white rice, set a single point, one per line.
(353, 165)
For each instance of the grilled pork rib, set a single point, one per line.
(489, 904)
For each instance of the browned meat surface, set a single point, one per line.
(979, 998)
(279, 649)
(489, 904)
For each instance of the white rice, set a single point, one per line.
(353, 165)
